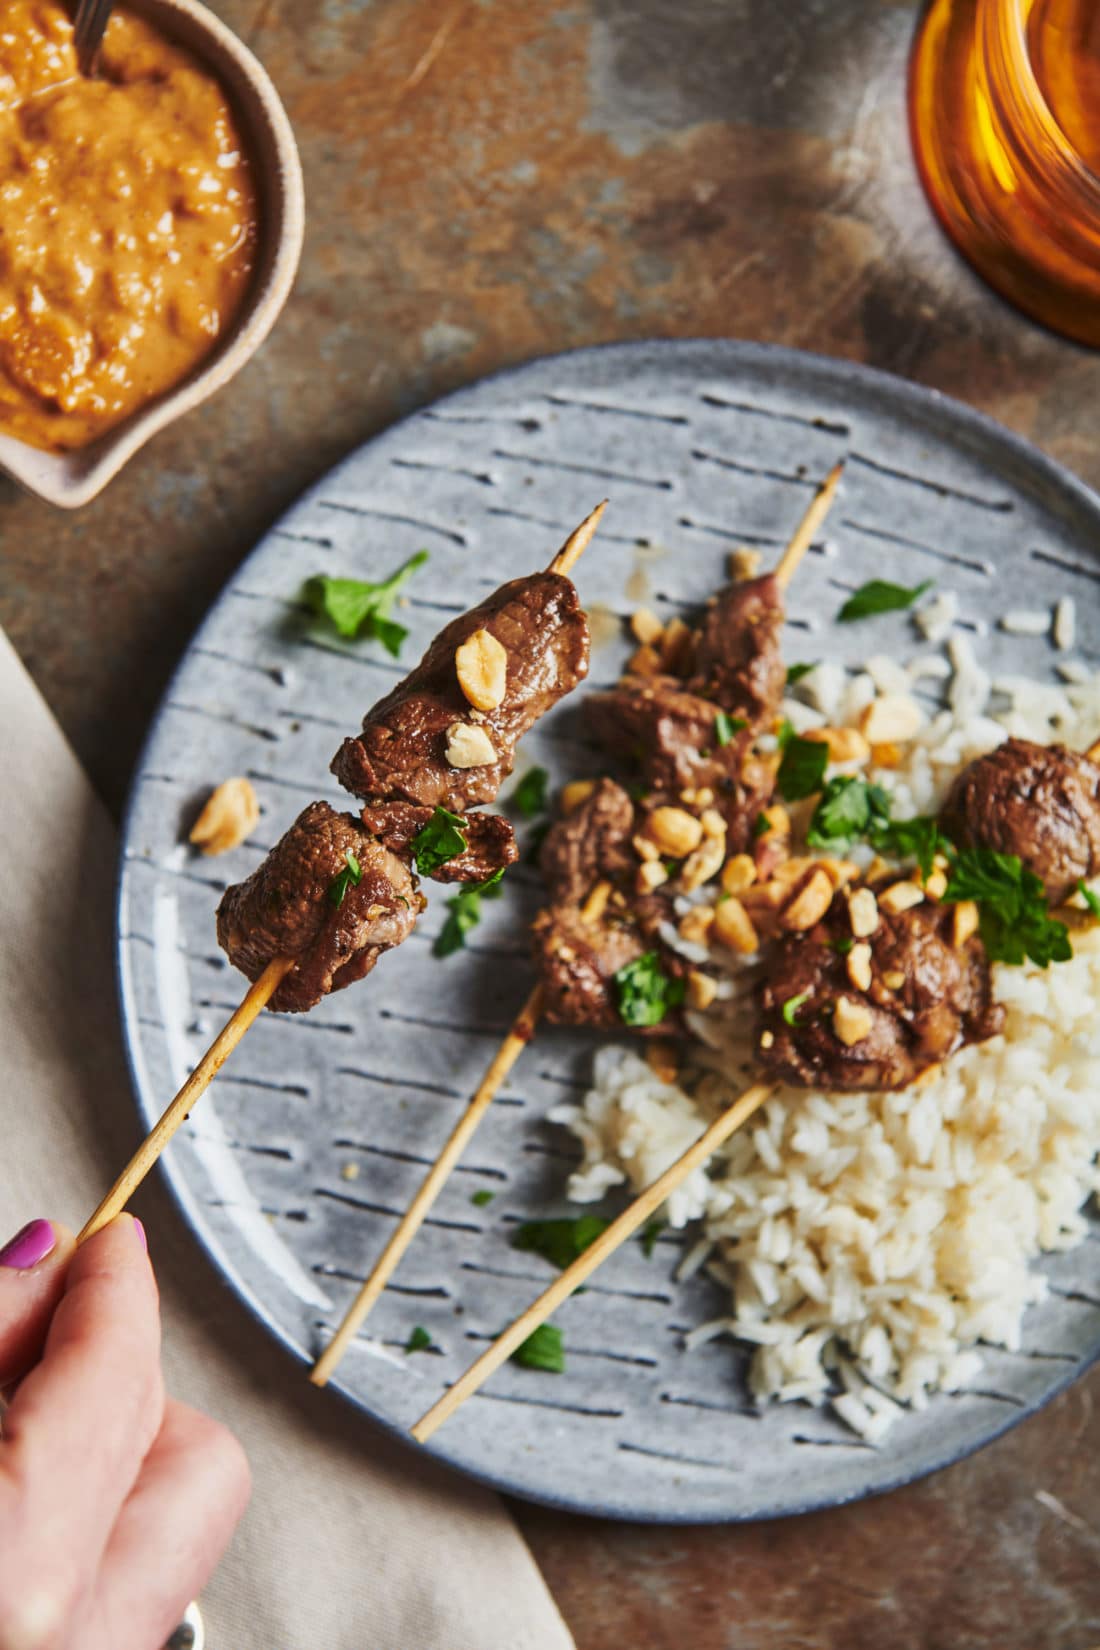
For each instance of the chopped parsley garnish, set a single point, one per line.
(918, 838)
(351, 876)
(438, 841)
(725, 726)
(1091, 900)
(357, 609)
(785, 734)
(1015, 920)
(792, 1006)
(841, 945)
(761, 825)
(649, 1237)
(483, 1198)
(535, 841)
(802, 770)
(418, 1341)
(847, 810)
(645, 992)
(543, 1349)
(559, 1241)
(465, 909)
(795, 673)
(879, 596)
(529, 795)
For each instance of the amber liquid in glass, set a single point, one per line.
(1005, 118)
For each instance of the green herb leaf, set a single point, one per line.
(350, 876)
(465, 909)
(918, 838)
(785, 734)
(795, 673)
(1014, 916)
(847, 809)
(543, 1349)
(649, 1237)
(761, 825)
(418, 1341)
(535, 841)
(358, 609)
(559, 1241)
(529, 795)
(483, 1198)
(792, 1006)
(802, 770)
(438, 841)
(725, 726)
(1091, 900)
(879, 596)
(841, 945)
(645, 992)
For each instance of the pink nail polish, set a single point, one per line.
(28, 1247)
(140, 1230)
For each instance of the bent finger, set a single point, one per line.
(32, 1279)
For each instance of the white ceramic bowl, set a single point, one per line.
(73, 478)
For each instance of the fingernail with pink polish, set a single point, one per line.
(30, 1246)
(140, 1230)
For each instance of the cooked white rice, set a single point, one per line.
(871, 1242)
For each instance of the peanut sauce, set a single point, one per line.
(128, 224)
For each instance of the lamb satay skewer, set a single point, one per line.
(521, 1032)
(275, 972)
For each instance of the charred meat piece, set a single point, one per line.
(287, 908)
(576, 962)
(925, 999)
(670, 734)
(738, 663)
(588, 845)
(490, 840)
(402, 753)
(1039, 802)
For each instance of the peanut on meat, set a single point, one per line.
(844, 744)
(646, 626)
(469, 747)
(712, 822)
(596, 904)
(892, 719)
(701, 989)
(859, 966)
(229, 814)
(779, 820)
(739, 874)
(645, 849)
(675, 831)
(767, 1038)
(839, 871)
(733, 927)
(851, 1021)
(863, 913)
(650, 876)
(704, 796)
(1093, 752)
(696, 924)
(893, 979)
(646, 661)
(576, 792)
(744, 563)
(935, 885)
(705, 862)
(900, 896)
(663, 1060)
(809, 905)
(964, 923)
(675, 645)
(482, 667)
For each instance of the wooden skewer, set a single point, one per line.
(258, 995)
(577, 542)
(608, 1241)
(808, 526)
(522, 1030)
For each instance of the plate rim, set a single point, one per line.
(730, 354)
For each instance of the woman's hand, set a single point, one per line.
(115, 1502)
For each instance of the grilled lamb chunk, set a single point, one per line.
(939, 997)
(588, 845)
(737, 662)
(576, 961)
(401, 753)
(670, 734)
(1040, 802)
(490, 840)
(284, 909)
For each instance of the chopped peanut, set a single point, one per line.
(767, 1038)
(712, 822)
(688, 797)
(674, 831)
(793, 870)
(646, 626)
(935, 886)
(744, 563)
(892, 719)
(1093, 752)
(877, 869)
(646, 661)
(863, 913)
(650, 876)
(705, 862)
(886, 755)
(844, 744)
(696, 924)
(704, 796)
(859, 966)
(733, 927)
(675, 645)
(576, 792)
(893, 980)
(596, 904)
(809, 904)
(900, 896)
(482, 668)
(739, 874)
(964, 923)
(779, 820)
(839, 871)
(701, 989)
(469, 747)
(644, 848)
(229, 814)
(662, 1059)
(851, 1021)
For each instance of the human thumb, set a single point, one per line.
(32, 1279)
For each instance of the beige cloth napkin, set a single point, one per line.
(351, 1543)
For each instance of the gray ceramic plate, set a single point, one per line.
(310, 1144)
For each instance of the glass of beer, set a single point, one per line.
(1004, 107)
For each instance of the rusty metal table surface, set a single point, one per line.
(489, 180)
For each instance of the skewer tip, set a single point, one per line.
(578, 541)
